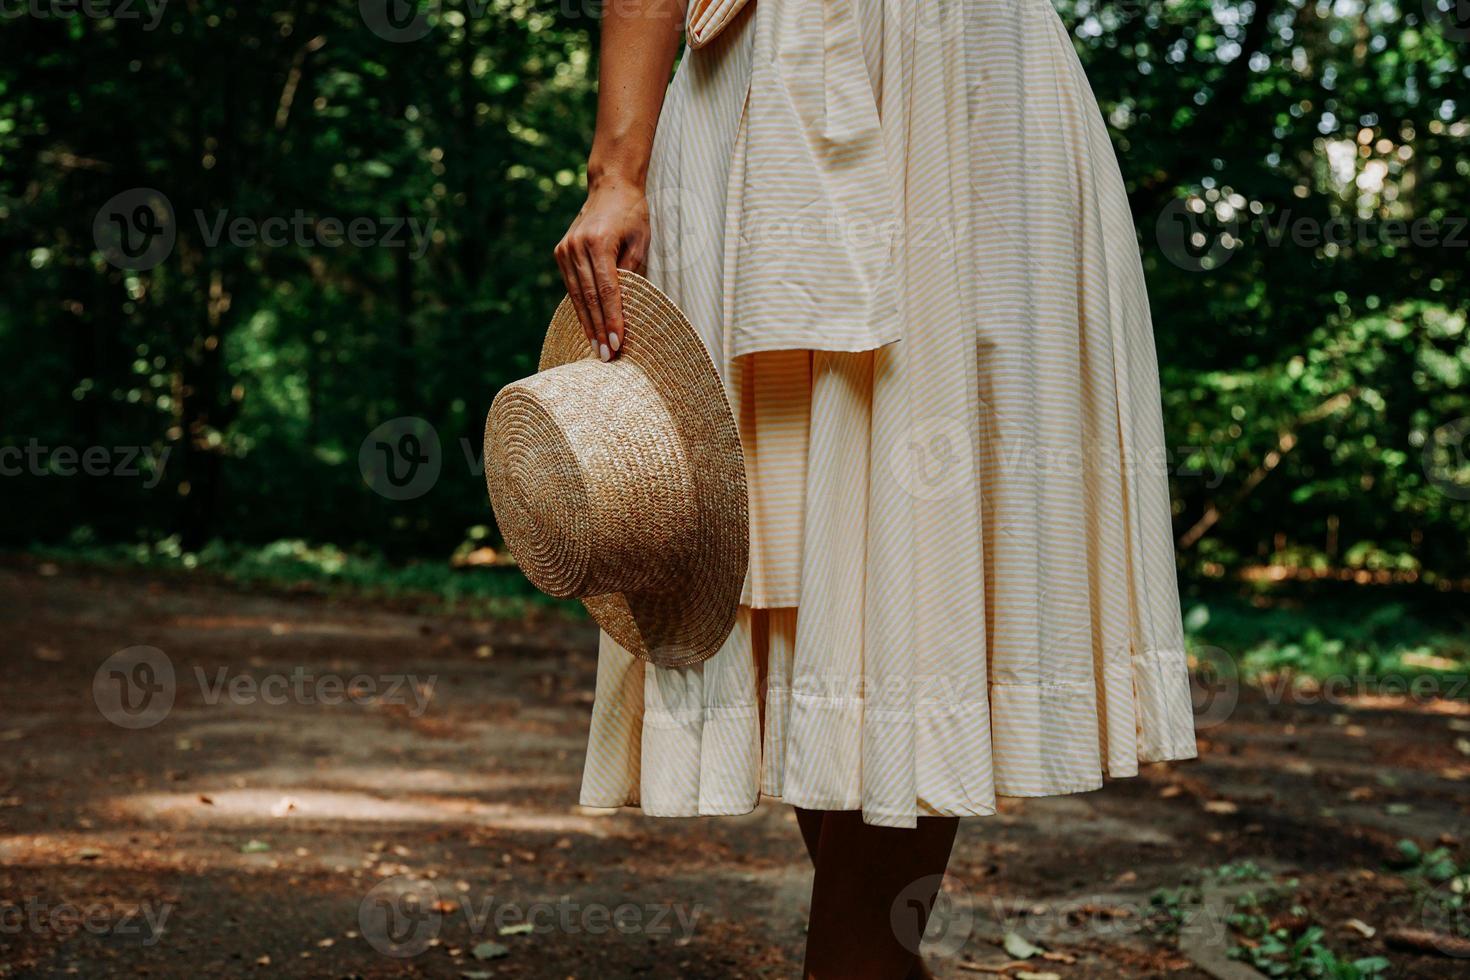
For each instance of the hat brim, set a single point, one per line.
(689, 621)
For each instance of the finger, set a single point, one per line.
(574, 292)
(610, 295)
(588, 278)
(634, 255)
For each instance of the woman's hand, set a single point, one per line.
(610, 233)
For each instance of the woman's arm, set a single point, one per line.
(639, 40)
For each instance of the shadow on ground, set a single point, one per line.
(337, 790)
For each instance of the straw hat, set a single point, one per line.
(622, 483)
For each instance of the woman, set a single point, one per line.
(901, 232)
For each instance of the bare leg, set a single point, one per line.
(862, 871)
(810, 822)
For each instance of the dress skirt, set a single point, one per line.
(962, 579)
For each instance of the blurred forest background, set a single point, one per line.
(1298, 172)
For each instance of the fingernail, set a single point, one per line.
(606, 354)
(593, 345)
(617, 344)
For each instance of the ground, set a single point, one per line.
(264, 824)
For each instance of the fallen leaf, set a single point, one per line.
(254, 847)
(1221, 806)
(490, 951)
(519, 929)
(89, 854)
(205, 800)
(1361, 928)
(1033, 975)
(1019, 946)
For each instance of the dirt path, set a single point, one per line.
(265, 823)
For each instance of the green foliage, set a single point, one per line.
(1292, 955)
(1293, 951)
(1310, 383)
(1385, 646)
(327, 569)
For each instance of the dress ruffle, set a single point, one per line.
(962, 579)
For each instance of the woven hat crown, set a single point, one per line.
(598, 488)
(622, 484)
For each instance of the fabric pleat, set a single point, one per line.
(962, 579)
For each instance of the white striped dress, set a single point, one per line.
(962, 579)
